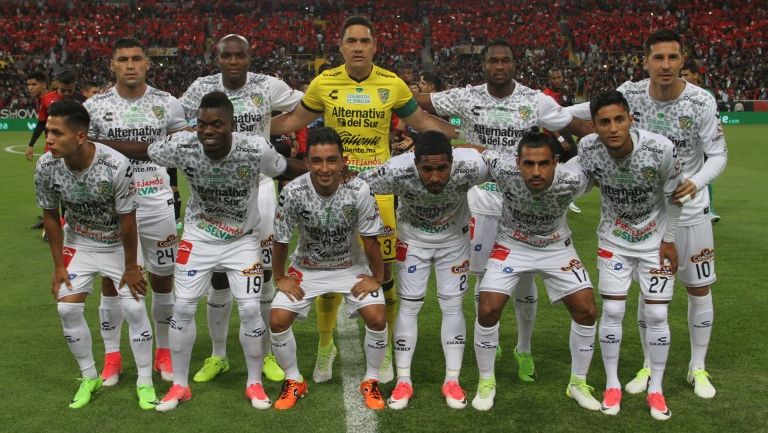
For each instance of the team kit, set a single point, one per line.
(370, 227)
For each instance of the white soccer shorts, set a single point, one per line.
(83, 265)
(415, 263)
(696, 255)
(267, 203)
(617, 270)
(482, 230)
(158, 242)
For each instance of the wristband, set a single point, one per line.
(560, 139)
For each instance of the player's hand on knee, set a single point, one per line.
(134, 278)
(365, 286)
(290, 286)
(687, 188)
(668, 256)
(60, 276)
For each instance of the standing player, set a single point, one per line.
(329, 216)
(358, 99)
(495, 115)
(254, 97)
(638, 173)
(134, 111)
(433, 220)
(36, 85)
(66, 89)
(687, 115)
(95, 184)
(223, 170)
(534, 238)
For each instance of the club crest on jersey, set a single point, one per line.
(383, 95)
(159, 112)
(104, 187)
(685, 122)
(649, 173)
(525, 112)
(244, 172)
(349, 211)
(257, 100)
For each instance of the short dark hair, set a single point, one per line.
(74, 114)
(66, 77)
(663, 35)
(691, 65)
(127, 42)
(217, 100)
(553, 70)
(37, 75)
(357, 20)
(433, 79)
(498, 42)
(324, 135)
(432, 143)
(605, 99)
(89, 83)
(536, 139)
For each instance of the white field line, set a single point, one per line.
(359, 418)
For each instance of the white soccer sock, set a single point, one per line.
(610, 339)
(267, 293)
(659, 338)
(486, 342)
(284, 348)
(526, 300)
(453, 334)
(162, 312)
(478, 279)
(582, 344)
(78, 336)
(701, 315)
(111, 318)
(642, 327)
(375, 344)
(252, 334)
(181, 335)
(140, 334)
(219, 310)
(406, 336)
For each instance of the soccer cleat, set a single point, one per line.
(179, 225)
(113, 366)
(175, 395)
(324, 363)
(486, 391)
(715, 217)
(455, 397)
(83, 395)
(212, 367)
(147, 397)
(640, 382)
(387, 371)
(581, 392)
(38, 224)
(292, 391)
(163, 364)
(574, 208)
(372, 394)
(526, 371)
(401, 395)
(272, 370)
(611, 401)
(702, 387)
(259, 399)
(659, 409)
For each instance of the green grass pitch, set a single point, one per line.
(37, 371)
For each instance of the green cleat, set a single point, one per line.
(272, 370)
(486, 391)
(212, 367)
(324, 363)
(87, 388)
(526, 371)
(581, 392)
(147, 397)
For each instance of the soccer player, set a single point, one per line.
(95, 183)
(495, 115)
(430, 82)
(223, 170)
(89, 89)
(254, 97)
(36, 85)
(135, 111)
(358, 99)
(433, 220)
(687, 115)
(534, 238)
(66, 89)
(329, 216)
(638, 173)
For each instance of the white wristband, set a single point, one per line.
(560, 139)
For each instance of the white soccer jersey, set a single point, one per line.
(636, 190)
(498, 124)
(692, 123)
(222, 192)
(147, 118)
(253, 103)
(425, 219)
(536, 219)
(328, 226)
(94, 198)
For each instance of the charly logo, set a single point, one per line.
(525, 112)
(649, 173)
(383, 95)
(159, 112)
(685, 122)
(244, 172)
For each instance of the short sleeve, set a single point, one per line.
(313, 100)
(449, 102)
(551, 115)
(165, 152)
(368, 218)
(271, 163)
(46, 196)
(124, 188)
(283, 97)
(190, 100)
(176, 117)
(284, 221)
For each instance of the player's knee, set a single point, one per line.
(279, 321)
(698, 291)
(656, 314)
(250, 314)
(133, 311)
(613, 312)
(69, 312)
(586, 314)
(376, 322)
(451, 306)
(183, 313)
(410, 307)
(488, 314)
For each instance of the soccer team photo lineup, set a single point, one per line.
(362, 180)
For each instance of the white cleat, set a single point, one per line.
(659, 408)
(701, 385)
(401, 395)
(574, 208)
(611, 401)
(582, 393)
(324, 363)
(640, 383)
(486, 391)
